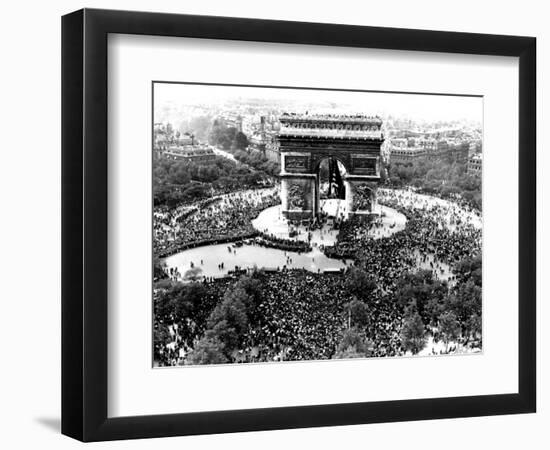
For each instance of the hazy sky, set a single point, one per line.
(416, 106)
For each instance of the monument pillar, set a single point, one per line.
(298, 195)
(361, 200)
(349, 197)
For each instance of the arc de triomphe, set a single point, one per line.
(305, 140)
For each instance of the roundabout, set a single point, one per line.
(246, 255)
(273, 222)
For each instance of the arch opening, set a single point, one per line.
(330, 188)
(331, 173)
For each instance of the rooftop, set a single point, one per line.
(306, 117)
(331, 126)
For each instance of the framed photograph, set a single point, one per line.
(273, 224)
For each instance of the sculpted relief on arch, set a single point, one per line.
(296, 198)
(363, 197)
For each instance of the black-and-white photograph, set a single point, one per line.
(299, 224)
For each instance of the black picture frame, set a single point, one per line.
(84, 224)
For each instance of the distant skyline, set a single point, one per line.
(421, 107)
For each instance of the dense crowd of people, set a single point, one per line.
(181, 312)
(289, 245)
(302, 315)
(438, 232)
(225, 218)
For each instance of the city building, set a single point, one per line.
(258, 138)
(263, 139)
(232, 120)
(475, 164)
(404, 150)
(161, 138)
(475, 146)
(272, 150)
(197, 152)
(458, 151)
(185, 139)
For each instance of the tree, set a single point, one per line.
(465, 301)
(222, 135)
(449, 327)
(235, 303)
(469, 268)
(353, 345)
(357, 313)
(413, 335)
(424, 291)
(228, 322)
(161, 336)
(433, 307)
(241, 141)
(158, 269)
(216, 132)
(349, 353)
(225, 333)
(165, 305)
(164, 284)
(195, 191)
(474, 326)
(253, 294)
(442, 176)
(200, 126)
(359, 283)
(179, 302)
(193, 274)
(169, 131)
(207, 350)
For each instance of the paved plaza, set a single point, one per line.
(271, 221)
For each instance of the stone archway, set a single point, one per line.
(334, 177)
(305, 140)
